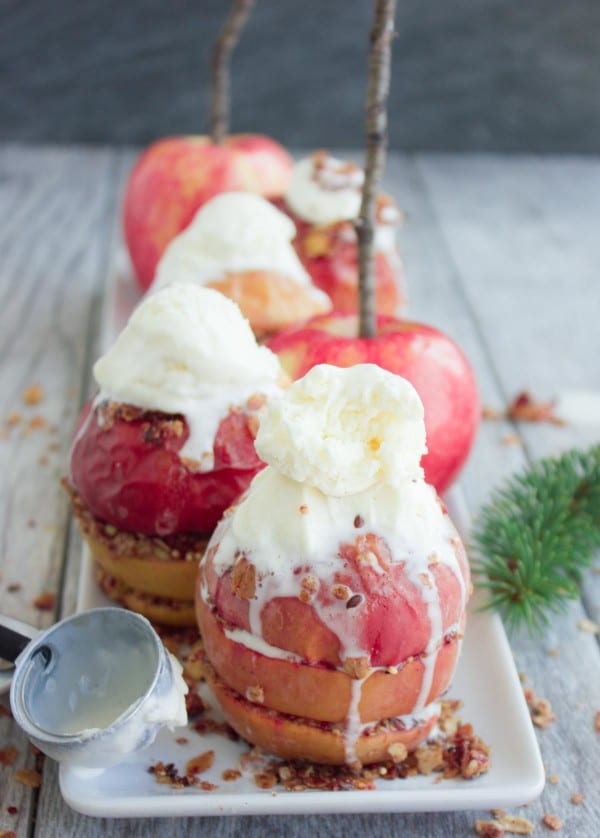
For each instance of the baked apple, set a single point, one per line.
(240, 245)
(168, 444)
(323, 200)
(331, 599)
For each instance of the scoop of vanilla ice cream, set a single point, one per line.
(344, 430)
(323, 190)
(234, 232)
(188, 350)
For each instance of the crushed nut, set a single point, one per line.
(33, 394)
(588, 626)
(552, 822)
(243, 579)
(516, 824)
(524, 408)
(265, 779)
(488, 829)
(490, 413)
(429, 758)
(357, 668)
(199, 764)
(398, 752)
(28, 777)
(45, 601)
(540, 709)
(8, 755)
(310, 584)
(554, 779)
(511, 439)
(231, 774)
(182, 740)
(577, 798)
(255, 694)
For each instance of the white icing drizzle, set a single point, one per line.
(257, 644)
(354, 726)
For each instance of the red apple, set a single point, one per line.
(430, 360)
(128, 471)
(175, 176)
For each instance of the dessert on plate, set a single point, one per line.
(323, 199)
(240, 244)
(168, 444)
(331, 598)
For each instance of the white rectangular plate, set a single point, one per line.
(486, 682)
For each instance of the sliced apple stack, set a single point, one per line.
(332, 599)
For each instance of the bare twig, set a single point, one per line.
(376, 125)
(220, 82)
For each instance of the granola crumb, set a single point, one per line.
(577, 798)
(8, 755)
(554, 779)
(397, 752)
(36, 423)
(255, 694)
(33, 394)
(597, 721)
(554, 652)
(488, 829)
(199, 764)
(497, 813)
(43, 460)
(511, 439)
(540, 709)
(231, 774)
(588, 626)
(182, 740)
(516, 824)
(552, 822)
(265, 779)
(45, 601)
(28, 777)
(13, 418)
(524, 408)
(491, 413)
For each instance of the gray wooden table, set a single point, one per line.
(502, 253)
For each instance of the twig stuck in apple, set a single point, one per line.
(376, 137)
(221, 82)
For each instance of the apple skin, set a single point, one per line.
(137, 481)
(175, 176)
(430, 360)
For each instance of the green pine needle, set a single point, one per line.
(534, 539)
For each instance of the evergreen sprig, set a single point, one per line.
(537, 535)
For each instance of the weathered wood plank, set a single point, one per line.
(520, 233)
(56, 205)
(443, 292)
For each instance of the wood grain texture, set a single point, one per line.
(500, 252)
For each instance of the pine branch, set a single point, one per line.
(220, 65)
(376, 125)
(537, 535)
